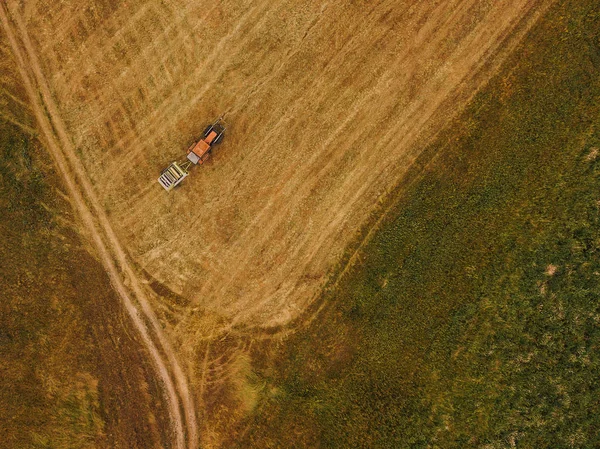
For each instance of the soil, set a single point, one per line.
(74, 372)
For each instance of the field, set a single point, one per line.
(328, 106)
(471, 318)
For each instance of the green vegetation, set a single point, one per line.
(473, 319)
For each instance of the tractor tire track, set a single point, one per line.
(99, 230)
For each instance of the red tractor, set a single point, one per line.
(198, 152)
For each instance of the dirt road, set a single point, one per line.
(99, 230)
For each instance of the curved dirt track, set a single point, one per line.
(99, 230)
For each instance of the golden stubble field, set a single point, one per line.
(327, 105)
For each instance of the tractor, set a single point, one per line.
(197, 153)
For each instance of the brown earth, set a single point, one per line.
(327, 105)
(73, 368)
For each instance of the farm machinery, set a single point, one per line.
(197, 153)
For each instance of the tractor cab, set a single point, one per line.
(200, 151)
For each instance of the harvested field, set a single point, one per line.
(327, 105)
(13, 100)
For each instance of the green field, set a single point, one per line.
(473, 316)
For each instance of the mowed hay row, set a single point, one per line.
(327, 105)
(13, 100)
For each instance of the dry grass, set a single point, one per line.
(326, 103)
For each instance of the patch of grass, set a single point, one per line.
(473, 317)
(71, 375)
(43, 338)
